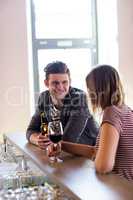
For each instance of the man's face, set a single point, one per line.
(58, 85)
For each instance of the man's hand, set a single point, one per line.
(43, 141)
(40, 140)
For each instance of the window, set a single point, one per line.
(64, 30)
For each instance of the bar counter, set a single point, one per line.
(76, 175)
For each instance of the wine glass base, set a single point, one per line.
(54, 160)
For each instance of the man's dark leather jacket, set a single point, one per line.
(78, 124)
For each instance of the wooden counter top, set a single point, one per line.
(76, 174)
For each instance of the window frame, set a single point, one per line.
(52, 43)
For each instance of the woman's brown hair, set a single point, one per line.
(104, 87)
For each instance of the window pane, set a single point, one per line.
(78, 61)
(63, 18)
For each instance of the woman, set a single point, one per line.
(114, 149)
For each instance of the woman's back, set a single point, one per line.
(122, 118)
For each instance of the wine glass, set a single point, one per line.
(55, 133)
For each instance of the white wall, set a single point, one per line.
(115, 34)
(125, 41)
(14, 87)
(107, 32)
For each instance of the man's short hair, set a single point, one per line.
(56, 67)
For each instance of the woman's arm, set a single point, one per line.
(79, 149)
(105, 157)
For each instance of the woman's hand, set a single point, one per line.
(53, 150)
(79, 149)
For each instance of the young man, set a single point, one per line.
(65, 103)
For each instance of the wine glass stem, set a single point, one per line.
(55, 149)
